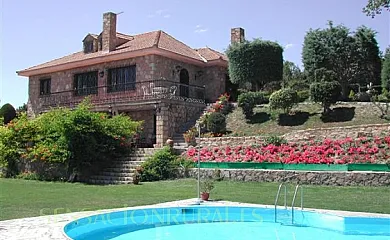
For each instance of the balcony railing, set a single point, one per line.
(129, 92)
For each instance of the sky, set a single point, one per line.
(34, 32)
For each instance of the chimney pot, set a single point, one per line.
(237, 35)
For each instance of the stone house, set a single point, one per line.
(150, 76)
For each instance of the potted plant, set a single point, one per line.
(205, 188)
(189, 136)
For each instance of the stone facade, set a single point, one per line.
(148, 68)
(298, 177)
(237, 35)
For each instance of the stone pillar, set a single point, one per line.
(237, 35)
(162, 124)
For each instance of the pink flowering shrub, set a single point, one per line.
(348, 150)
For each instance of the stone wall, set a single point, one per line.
(298, 177)
(149, 132)
(304, 135)
(339, 132)
(180, 114)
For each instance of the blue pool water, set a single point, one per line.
(225, 223)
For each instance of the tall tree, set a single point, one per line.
(386, 70)
(374, 7)
(369, 61)
(252, 64)
(334, 49)
(291, 72)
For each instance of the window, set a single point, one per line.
(121, 79)
(86, 83)
(44, 86)
(88, 47)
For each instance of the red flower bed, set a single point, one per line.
(348, 150)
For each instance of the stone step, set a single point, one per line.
(117, 174)
(111, 178)
(132, 158)
(108, 182)
(121, 162)
(126, 165)
(122, 169)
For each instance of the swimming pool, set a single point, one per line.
(223, 223)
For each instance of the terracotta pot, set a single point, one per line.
(205, 196)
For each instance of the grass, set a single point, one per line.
(26, 198)
(308, 115)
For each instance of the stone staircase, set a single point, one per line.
(122, 169)
(178, 140)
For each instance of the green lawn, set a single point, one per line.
(22, 198)
(308, 115)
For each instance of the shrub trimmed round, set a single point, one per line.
(216, 123)
(283, 99)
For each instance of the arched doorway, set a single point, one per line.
(184, 82)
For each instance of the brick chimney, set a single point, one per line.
(237, 35)
(109, 32)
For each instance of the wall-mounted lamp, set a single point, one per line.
(178, 68)
(110, 110)
(101, 74)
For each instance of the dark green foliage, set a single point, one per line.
(385, 77)
(325, 93)
(352, 58)
(362, 97)
(248, 100)
(284, 99)
(303, 95)
(374, 7)
(272, 86)
(252, 64)
(80, 139)
(161, 166)
(216, 123)
(7, 112)
(22, 108)
(275, 140)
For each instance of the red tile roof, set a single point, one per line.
(156, 39)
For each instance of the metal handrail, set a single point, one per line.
(293, 201)
(277, 197)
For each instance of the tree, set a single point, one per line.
(374, 7)
(291, 72)
(386, 70)
(368, 60)
(252, 64)
(7, 111)
(325, 93)
(352, 58)
(22, 108)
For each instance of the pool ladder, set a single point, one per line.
(297, 187)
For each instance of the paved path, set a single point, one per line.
(51, 227)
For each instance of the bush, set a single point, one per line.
(326, 93)
(272, 86)
(216, 123)
(362, 97)
(352, 95)
(283, 99)
(275, 140)
(7, 112)
(248, 100)
(80, 139)
(161, 166)
(303, 95)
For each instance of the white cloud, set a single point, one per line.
(289, 45)
(161, 11)
(199, 29)
(167, 16)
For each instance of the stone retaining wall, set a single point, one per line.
(301, 177)
(304, 135)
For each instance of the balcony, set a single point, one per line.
(137, 92)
